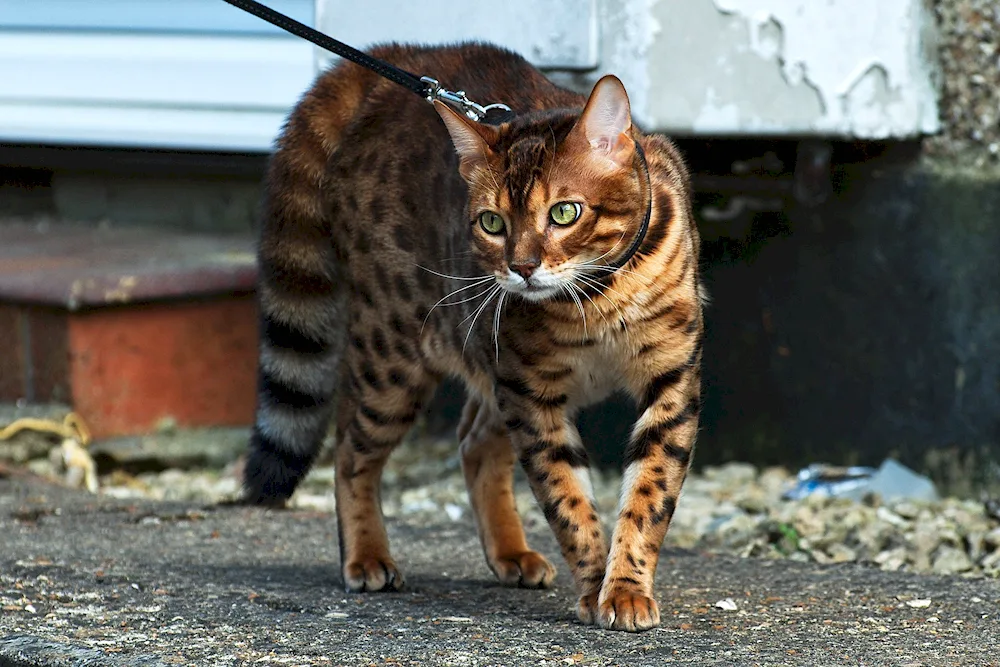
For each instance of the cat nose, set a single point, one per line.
(524, 268)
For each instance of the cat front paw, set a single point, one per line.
(627, 610)
(372, 574)
(528, 569)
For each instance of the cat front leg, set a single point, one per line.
(488, 464)
(656, 463)
(549, 449)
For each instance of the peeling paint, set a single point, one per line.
(851, 68)
(863, 58)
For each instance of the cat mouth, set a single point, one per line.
(541, 285)
(529, 290)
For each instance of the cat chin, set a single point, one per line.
(533, 294)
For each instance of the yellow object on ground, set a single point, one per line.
(70, 456)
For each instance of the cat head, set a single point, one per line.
(554, 197)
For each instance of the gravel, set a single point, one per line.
(90, 580)
(735, 509)
(969, 53)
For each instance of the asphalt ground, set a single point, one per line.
(90, 580)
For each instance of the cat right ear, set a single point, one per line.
(472, 140)
(606, 122)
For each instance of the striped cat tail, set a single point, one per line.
(302, 317)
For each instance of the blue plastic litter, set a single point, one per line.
(828, 480)
(890, 481)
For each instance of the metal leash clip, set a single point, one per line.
(458, 98)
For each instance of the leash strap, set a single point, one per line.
(424, 86)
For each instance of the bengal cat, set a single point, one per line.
(403, 242)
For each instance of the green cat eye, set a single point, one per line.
(491, 222)
(565, 212)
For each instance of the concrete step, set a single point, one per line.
(132, 327)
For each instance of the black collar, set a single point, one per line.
(644, 227)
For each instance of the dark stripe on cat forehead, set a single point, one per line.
(523, 163)
(526, 144)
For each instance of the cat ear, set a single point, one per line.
(471, 139)
(606, 120)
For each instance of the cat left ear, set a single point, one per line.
(606, 120)
(471, 139)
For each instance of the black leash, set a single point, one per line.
(424, 86)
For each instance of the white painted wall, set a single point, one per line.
(846, 68)
(554, 34)
(199, 74)
(184, 74)
(853, 68)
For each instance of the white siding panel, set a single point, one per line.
(159, 90)
(185, 129)
(188, 70)
(145, 15)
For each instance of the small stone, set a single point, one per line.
(991, 564)
(906, 509)
(975, 544)
(753, 501)
(950, 560)
(925, 540)
(918, 603)
(774, 481)
(887, 515)
(819, 557)
(453, 511)
(891, 560)
(808, 522)
(841, 554)
(727, 604)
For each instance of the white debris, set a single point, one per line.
(918, 603)
(726, 605)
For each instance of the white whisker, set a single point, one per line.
(467, 299)
(481, 282)
(496, 325)
(486, 300)
(567, 287)
(611, 250)
(600, 287)
(600, 291)
(592, 302)
(445, 275)
(475, 315)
